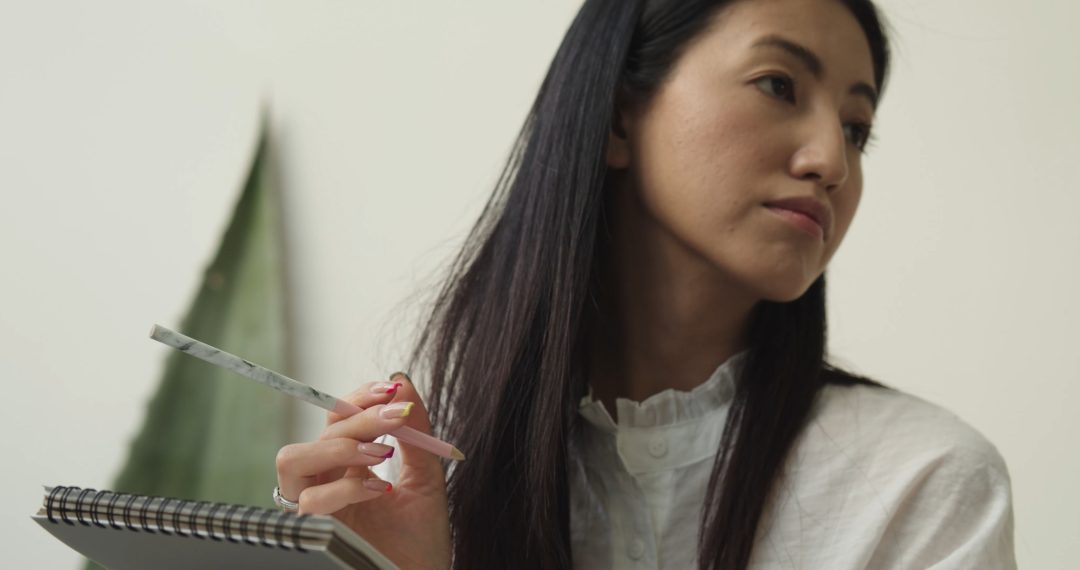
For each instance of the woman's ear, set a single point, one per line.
(618, 147)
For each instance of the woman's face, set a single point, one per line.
(744, 120)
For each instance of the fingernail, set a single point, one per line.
(385, 387)
(376, 450)
(378, 485)
(397, 410)
(402, 374)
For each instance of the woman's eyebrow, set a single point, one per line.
(813, 63)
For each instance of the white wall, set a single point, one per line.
(125, 128)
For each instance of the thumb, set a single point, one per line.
(416, 461)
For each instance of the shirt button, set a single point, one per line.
(637, 549)
(658, 447)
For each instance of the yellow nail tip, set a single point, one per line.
(408, 408)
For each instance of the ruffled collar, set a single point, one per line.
(669, 406)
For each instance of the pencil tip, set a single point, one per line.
(456, 454)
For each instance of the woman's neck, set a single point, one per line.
(666, 317)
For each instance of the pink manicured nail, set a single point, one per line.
(376, 450)
(396, 410)
(378, 485)
(385, 387)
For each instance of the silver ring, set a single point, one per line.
(285, 504)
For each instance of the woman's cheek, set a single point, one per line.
(844, 209)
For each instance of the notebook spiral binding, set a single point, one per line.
(71, 505)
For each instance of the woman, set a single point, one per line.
(630, 350)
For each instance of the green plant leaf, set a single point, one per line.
(208, 433)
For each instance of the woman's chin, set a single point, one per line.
(784, 290)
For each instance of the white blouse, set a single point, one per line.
(878, 479)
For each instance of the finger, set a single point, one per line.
(336, 495)
(367, 395)
(299, 464)
(312, 458)
(418, 461)
(407, 392)
(371, 423)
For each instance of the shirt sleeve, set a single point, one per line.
(956, 514)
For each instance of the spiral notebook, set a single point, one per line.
(124, 531)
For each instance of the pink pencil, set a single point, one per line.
(293, 388)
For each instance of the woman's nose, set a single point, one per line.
(822, 156)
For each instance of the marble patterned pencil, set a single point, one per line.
(291, 387)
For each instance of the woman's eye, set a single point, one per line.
(778, 86)
(860, 134)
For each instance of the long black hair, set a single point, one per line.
(505, 343)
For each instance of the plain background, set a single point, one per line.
(126, 128)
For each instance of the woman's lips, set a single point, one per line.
(800, 221)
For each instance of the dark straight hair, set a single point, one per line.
(507, 338)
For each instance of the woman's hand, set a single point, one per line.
(409, 522)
